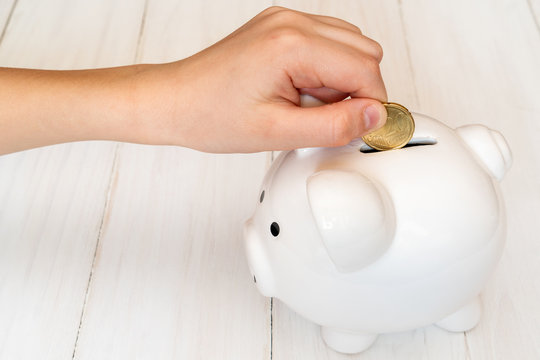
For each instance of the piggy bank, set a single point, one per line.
(364, 242)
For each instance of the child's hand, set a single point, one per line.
(239, 95)
(242, 93)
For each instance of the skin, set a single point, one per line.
(241, 94)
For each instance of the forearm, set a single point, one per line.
(41, 107)
(240, 95)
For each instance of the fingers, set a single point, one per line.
(281, 53)
(353, 39)
(328, 125)
(336, 66)
(327, 26)
(321, 18)
(324, 52)
(337, 22)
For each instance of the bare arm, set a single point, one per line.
(240, 95)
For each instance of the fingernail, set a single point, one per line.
(373, 118)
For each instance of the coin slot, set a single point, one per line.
(366, 149)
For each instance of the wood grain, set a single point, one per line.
(170, 278)
(61, 34)
(52, 204)
(534, 7)
(6, 12)
(485, 61)
(126, 251)
(53, 198)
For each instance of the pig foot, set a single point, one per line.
(346, 341)
(464, 319)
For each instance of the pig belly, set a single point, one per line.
(377, 307)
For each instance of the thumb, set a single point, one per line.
(329, 125)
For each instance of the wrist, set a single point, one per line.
(152, 105)
(116, 100)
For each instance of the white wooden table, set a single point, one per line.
(120, 251)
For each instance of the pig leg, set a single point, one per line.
(464, 319)
(346, 341)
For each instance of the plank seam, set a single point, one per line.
(271, 328)
(112, 178)
(467, 349)
(138, 52)
(533, 14)
(8, 21)
(408, 50)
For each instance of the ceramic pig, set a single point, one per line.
(364, 242)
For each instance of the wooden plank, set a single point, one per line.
(478, 63)
(53, 198)
(52, 206)
(534, 6)
(61, 34)
(297, 338)
(6, 11)
(171, 279)
(164, 286)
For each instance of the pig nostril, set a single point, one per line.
(274, 229)
(254, 279)
(262, 197)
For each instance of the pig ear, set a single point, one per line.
(355, 217)
(489, 146)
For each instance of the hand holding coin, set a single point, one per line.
(397, 131)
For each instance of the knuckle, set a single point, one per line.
(286, 36)
(272, 9)
(285, 27)
(378, 51)
(274, 13)
(285, 16)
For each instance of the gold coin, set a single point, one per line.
(397, 131)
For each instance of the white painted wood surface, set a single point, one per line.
(123, 251)
(6, 10)
(172, 253)
(53, 199)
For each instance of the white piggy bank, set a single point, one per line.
(364, 242)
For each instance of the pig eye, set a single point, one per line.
(262, 197)
(274, 229)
